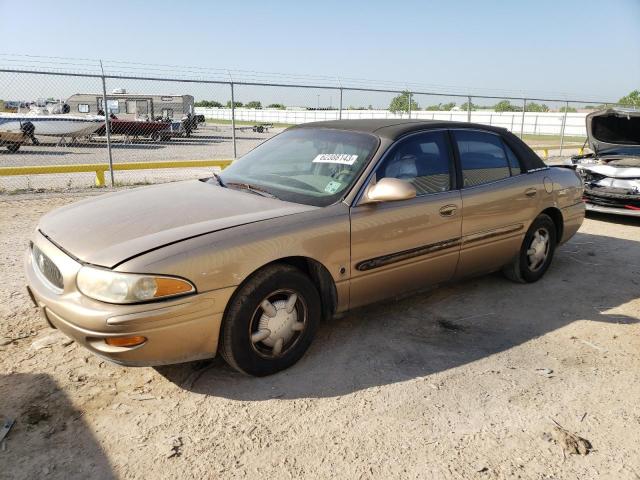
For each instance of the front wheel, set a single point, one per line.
(536, 252)
(271, 321)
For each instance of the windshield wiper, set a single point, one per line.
(252, 189)
(219, 179)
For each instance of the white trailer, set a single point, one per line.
(133, 105)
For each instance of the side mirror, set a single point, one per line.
(388, 190)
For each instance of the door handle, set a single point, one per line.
(448, 211)
(531, 192)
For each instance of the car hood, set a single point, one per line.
(613, 128)
(110, 229)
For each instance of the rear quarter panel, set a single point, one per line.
(567, 196)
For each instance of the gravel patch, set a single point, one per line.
(481, 379)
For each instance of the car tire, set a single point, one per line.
(536, 252)
(259, 338)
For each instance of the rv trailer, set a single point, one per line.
(130, 106)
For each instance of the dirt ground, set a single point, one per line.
(465, 381)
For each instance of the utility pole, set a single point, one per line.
(107, 127)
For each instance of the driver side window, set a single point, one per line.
(424, 160)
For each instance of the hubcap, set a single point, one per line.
(538, 250)
(277, 323)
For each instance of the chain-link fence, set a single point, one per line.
(54, 132)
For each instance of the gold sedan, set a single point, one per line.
(320, 219)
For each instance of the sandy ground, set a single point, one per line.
(464, 381)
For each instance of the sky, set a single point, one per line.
(571, 48)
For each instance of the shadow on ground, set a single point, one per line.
(619, 219)
(49, 438)
(442, 329)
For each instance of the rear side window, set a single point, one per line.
(514, 163)
(423, 160)
(482, 157)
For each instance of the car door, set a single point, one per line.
(498, 200)
(405, 245)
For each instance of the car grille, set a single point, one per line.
(47, 268)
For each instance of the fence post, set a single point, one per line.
(107, 127)
(469, 109)
(340, 110)
(564, 125)
(233, 122)
(410, 94)
(524, 109)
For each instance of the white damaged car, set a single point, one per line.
(611, 174)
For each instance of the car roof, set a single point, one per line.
(395, 128)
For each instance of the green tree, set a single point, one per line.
(505, 106)
(631, 100)
(235, 104)
(567, 109)
(254, 104)
(400, 103)
(441, 107)
(537, 107)
(208, 104)
(277, 106)
(465, 106)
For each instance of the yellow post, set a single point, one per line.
(545, 153)
(581, 151)
(99, 178)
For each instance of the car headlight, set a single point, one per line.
(116, 287)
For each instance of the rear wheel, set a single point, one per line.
(270, 321)
(536, 252)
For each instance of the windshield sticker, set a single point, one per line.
(332, 186)
(341, 158)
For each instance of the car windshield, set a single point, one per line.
(313, 166)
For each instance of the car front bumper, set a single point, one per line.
(176, 330)
(592, 207)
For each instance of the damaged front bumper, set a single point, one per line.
(609, 189)
(611, 201)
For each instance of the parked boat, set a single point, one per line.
(52, 124)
